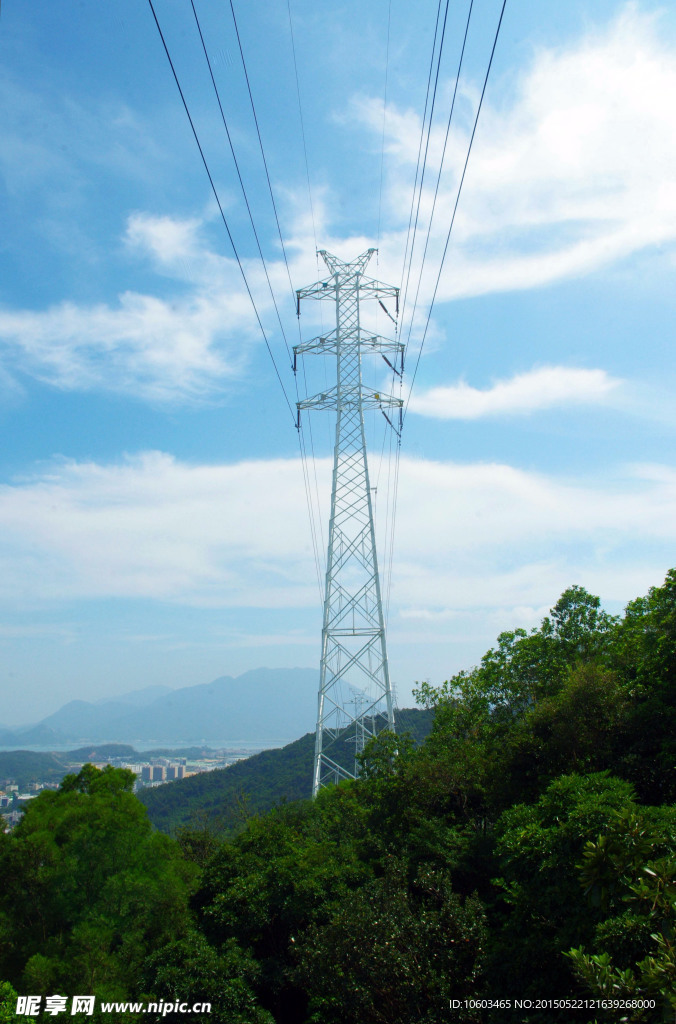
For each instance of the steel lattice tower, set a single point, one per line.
(353, 671)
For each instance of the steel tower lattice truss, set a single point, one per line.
(355, 696)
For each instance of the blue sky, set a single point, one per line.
(153, 515)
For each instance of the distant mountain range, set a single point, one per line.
(265, 706)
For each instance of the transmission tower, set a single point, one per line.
(354, 656)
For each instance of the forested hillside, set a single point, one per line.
(228, 796)
(525, 851)
(26, 766)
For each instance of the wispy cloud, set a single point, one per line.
(539, 389)
(468, 536)
(183, 348)
(154, 348)
(571, 171)
(154, 527)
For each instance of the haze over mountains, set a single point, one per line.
(266, 706)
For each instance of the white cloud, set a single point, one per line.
(171, 243)
(160, 349)
(154, 527)
(187, 347)
(543, 388)
(488, 536)
(572, 169)
(483, 536)
(570, 172)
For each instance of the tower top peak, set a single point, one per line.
(357, 265)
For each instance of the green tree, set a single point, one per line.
(644, 655)
(8, 999)
(394, 953)
(581, 728)
(543, 910)
(277, 877)
(538, 705)
(525, 667)
(191, 971)
(629, 873)
(89, 889)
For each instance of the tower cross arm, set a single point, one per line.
(324, 400)
(367, 398)
(370, 289)
(328, 289)
(344, 275)
(319, 290)
(327, 343)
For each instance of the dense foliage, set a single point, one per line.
(525, 850)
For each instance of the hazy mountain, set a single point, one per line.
(261, 705)
(264, 705)
(78, 718)
(81, 718)
(139, 698)
(35, 736)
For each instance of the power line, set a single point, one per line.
(408, 253)
(260, 143)
(441, 166)
(301, 438)
(420, 147)
(393, 519)
(302, 447)
(382, 146)
(311, 498)
(302, 122)
(314, 234)
(239, 175)
(455, 208)
(218, 201)
(469, 149)
(424, 166)
(310, 506)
